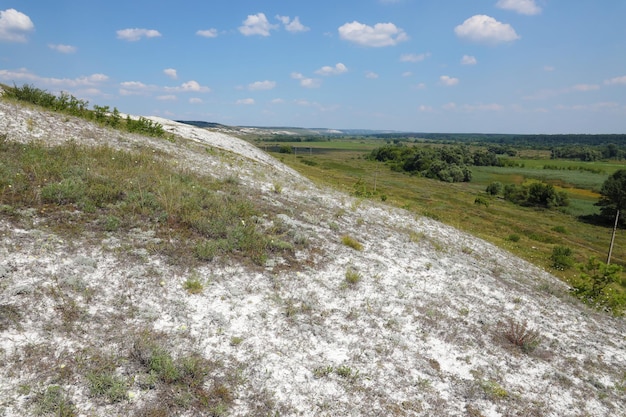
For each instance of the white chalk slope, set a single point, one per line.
(420, 334)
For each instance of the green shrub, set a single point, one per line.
(285, 149)
(597, 286)
(561, 258)
(513, 237)
(481, 201)
(68, 191)
(494, 188)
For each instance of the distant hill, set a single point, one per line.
(291, 130)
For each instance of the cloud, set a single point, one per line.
(261, 85)
(379, 35)
(585, 87)
(293, 26)
(195, 100)
(448, 81)
(527, 7)
(336, 70)
(616, 80)
(256, 24)
(171, 72)
(190, 86)
(136, 85)
(425, 109)
(25, 75)
(407, 74)
(604, 105)
(131, 88)
(169, 97)
(306, 82)
(420, 86)
(14, 26)
(468, 60)
(482, 107)
(277, 101)
(548, 68)
(245, 101)
(549, 93)
(64, 49)
(208, 33)
(449, 106)
(485, 29)
(413, 57)
(133, 35)
(371, 75)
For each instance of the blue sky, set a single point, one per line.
(491, 66)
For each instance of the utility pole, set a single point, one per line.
(608, 260)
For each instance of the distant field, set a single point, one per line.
(343, 165)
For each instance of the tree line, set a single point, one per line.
(445, 163)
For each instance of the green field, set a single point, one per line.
(344, 165)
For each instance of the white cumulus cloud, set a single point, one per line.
(468, 60)
(616, 80)
(256, 24)
(24, 74)
(448, 81)
(64, 49)
(413, 57)
(208, 33)
(14, 26)
(195, 100)
(528, 7)
(336, 70)
(190, 86)
(261, 85)
(245, 101)
(133, 35)
(293, 26)
(371, 75)
(379, 35)
(171, 72)
(485, 29)
(305, 81)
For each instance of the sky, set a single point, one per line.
(481, 66)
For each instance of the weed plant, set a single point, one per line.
(520, 335)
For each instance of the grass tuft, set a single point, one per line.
(351, 242)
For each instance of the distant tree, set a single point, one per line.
(494, 188)
(613, 200)
(613, 193)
